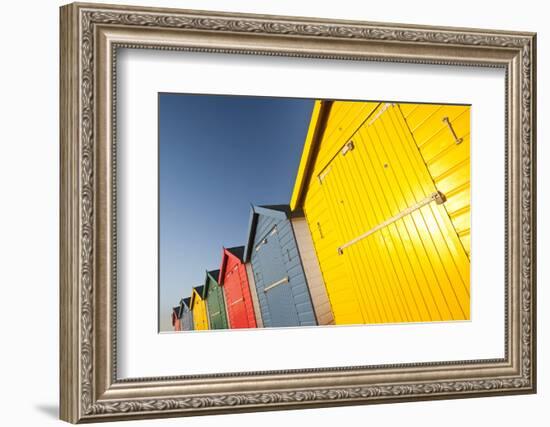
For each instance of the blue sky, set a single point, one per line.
(217, 155)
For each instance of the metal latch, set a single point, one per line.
(237, 301)
(437, 197)
(277, 283)
(347, 147)
(259, 245)
(451, 129)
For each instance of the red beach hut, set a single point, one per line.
(234, 281)
(176, 318)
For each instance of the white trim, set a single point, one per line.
(143, 352)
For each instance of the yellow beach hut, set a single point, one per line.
(199, 309)
(385, 189)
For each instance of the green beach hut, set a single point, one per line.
(213, 295)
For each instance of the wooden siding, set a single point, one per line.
(237, 294)
(217, 314)
(254, 295)
(200, 312)
(337, 276)
(176, 322)
(447, 162)
(416, 268)
(343, 121)
(297, 309)
(316, 284)
(187, 320)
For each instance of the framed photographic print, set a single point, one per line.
(265, 212)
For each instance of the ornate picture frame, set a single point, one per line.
(90, 37)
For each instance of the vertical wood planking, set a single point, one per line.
(237, 292)
(200, 312)
(273, 261)
(316, 285)
(417, 268)
(216, 304)
(254, 295)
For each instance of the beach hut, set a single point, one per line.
(186, 314)
(213, 295)
(199, 309)
(233, 279)
(385, 189)
(279, 277)
(176, 320)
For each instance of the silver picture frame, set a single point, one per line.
(90, 37)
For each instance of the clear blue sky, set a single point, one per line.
(217, 155)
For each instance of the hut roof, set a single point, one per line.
(280, 212)
(238, 251)
(198, 290)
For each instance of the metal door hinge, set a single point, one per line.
(347, 147)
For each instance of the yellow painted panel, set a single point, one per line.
(465, 239)
(407, 109)
(420, 114)
(416, 268)
(200, 314)
(337, 281)
(344, 119)
(461, 220)
(448, 162)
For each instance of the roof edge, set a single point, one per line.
(268, 210)
(308, 154)
(252, 223)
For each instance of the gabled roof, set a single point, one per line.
(278, 208)
(196, 290)
(237, 252)
(176, 311)
(210, 275)
(315, 131)
(173, 316)
(279, 212)
(214, 274)
(185, 303)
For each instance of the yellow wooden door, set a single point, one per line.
(414, 268)
(200, 315)
(343, 120)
